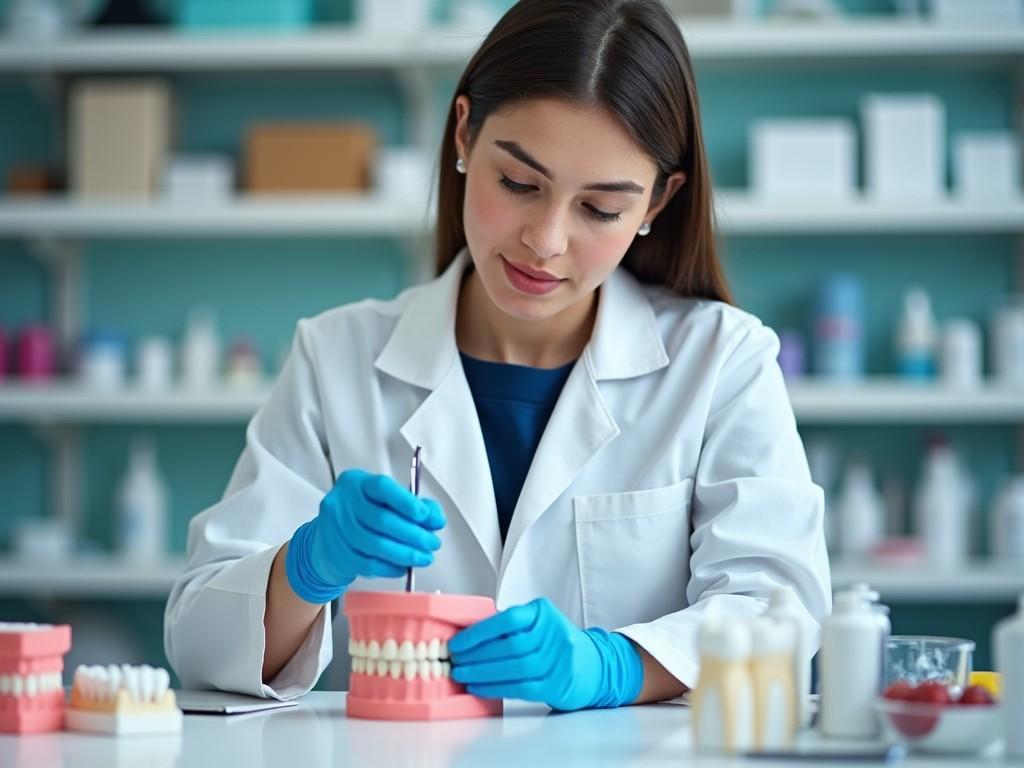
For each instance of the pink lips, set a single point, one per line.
(532, 281)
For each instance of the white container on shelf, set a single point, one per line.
(995, 12)
(1008, 343)
(904, 146)
(154, 363)
(860, 510)
(1008, 642)
(916, 336)
(1007, 522)
(142, 507)
(200, 351)
(986, 166)
(394, 16)
(194, 179)
(961, 354)
(402, 173)
(810, 159)
(942, 508)
(850, 669)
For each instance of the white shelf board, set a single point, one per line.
(332, 46)
(106, 577)
(874, 401)
(976, 582)
(349, 215)
(895, 401)
(69, 402)
(746, 213)
(363, 215)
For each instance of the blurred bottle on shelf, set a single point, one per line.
(142, 506)
(860, 512)
(154, 363)
(839, 328)
(200, 351)
(942, 507)
(916, 336)
(792, 354)
(244, 368)
(1008, 343)
(1007, 521)
(102, 360)
(36, 354)
(961, 354)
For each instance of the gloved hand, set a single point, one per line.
(534, 652)
(368, 525)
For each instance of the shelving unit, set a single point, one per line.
(352, 215)
(875, 401)
(57, 228)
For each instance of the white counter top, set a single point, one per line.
(317, 734)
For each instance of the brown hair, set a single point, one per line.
(629, 57)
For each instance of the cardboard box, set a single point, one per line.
(904, 146)
(119, 137)
(309, 157)
(803, 158)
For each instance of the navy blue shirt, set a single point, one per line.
(513, 403)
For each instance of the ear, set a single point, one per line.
(672, 185)
(461, 136)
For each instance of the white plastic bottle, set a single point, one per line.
(860, 510)
(773, 644)
(850, 668)
(916, 336)
(942, 508)
(1008, 639)
(784, 606)
(723, 703)
(142, 504)
(200, 351)
(1007, 525)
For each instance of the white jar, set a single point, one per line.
(961, 354)
(1008, 343)
(850, 668)
(1008, 650)
(154, 363)
(1007, 524)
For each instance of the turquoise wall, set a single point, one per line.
(259, 288)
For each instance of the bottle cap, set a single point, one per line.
(726, 638)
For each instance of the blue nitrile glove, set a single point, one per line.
(534, 652)
(368, 525)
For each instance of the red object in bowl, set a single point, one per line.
(976, 695)
(921, 714)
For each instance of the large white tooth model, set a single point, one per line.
(122, 700)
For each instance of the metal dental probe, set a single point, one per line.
(414, 486)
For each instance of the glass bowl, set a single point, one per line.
(917, 658)
(949, 728)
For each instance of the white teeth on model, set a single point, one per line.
(395, 668)
(389, 650)
(406, 652)
(421, 650)
(373, 650)
(382, 668)
(30, 685)
(409, 669)
(434, 649)
(144, 684)
(423, 668)
(435, 669)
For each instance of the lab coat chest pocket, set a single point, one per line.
(634, 552)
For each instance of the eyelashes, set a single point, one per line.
(521, 189)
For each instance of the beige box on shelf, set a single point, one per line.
(309, 157)
(119, 137)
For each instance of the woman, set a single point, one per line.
(607, 442)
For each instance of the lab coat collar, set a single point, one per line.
(625, 342)
(422, 351)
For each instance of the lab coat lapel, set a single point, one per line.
(625, 343)
(422, 352)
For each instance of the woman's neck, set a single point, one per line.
(485, 332)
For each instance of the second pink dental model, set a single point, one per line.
(400, 664)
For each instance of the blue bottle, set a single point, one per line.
(839, 327)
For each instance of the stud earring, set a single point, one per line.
(645, 229)
(460, 165)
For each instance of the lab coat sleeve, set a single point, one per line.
(213, 623)
(756, 516)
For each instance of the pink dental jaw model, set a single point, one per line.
(31, 687)
(394, 635)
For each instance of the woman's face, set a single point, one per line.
(555, 194)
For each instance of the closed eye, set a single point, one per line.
(521, 189)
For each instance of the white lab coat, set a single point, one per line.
(670, 481)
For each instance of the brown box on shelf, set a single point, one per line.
(119, 137)
(31, 181)
(309, 157)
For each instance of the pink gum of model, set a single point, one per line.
(413, 616)
(34, 650)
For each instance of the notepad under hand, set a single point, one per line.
(220, 703)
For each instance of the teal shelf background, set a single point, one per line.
(259, 288)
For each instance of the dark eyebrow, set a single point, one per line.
(520, 154)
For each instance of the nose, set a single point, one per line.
(547, 233)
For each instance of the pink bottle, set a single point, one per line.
(3, 355)
(35, 353)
